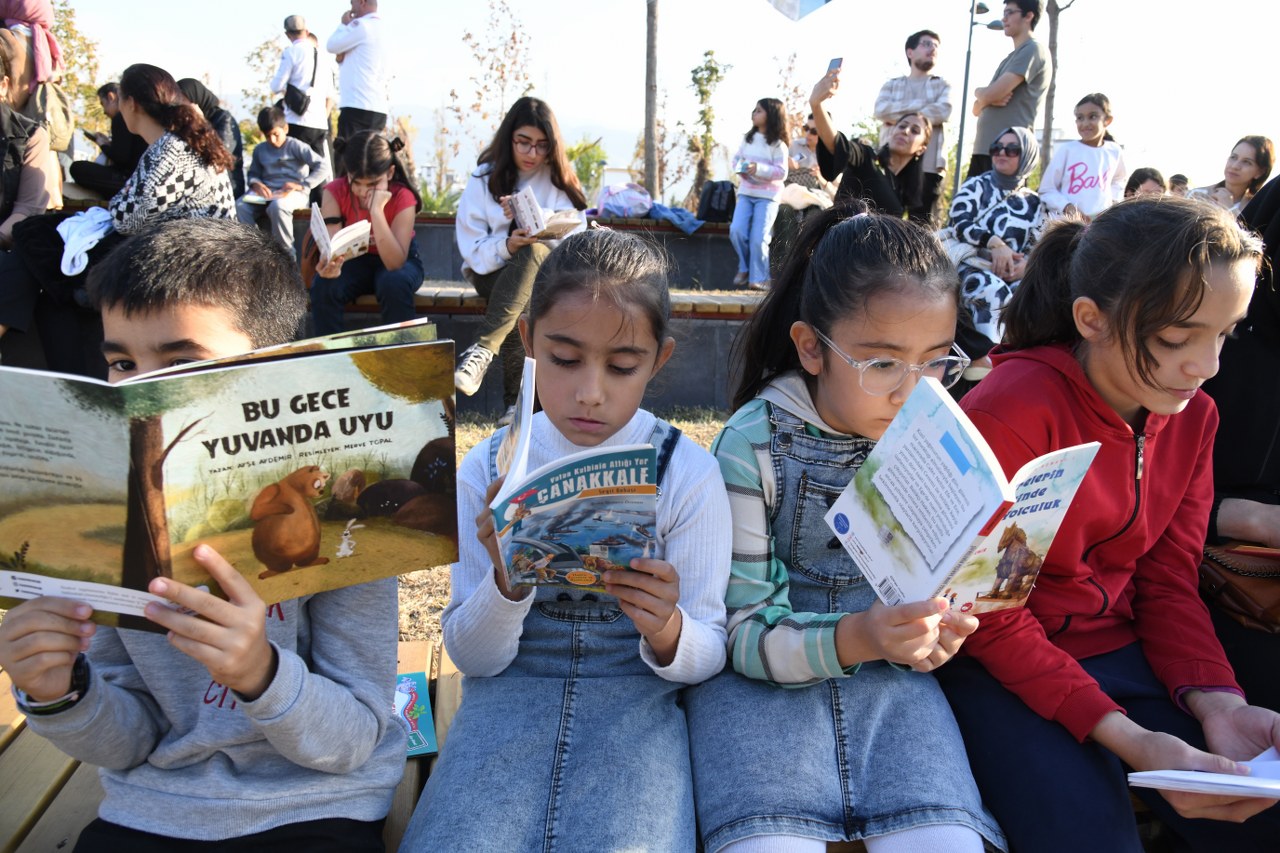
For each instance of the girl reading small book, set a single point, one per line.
(571, 731)
(861, 743)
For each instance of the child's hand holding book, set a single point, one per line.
(648, 594)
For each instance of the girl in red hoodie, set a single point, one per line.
(1113, 664)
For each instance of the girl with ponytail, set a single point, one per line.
(185, 169)
(375, 188)
(863, 744)
(1113, 663)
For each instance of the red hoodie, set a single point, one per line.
(1123, 566)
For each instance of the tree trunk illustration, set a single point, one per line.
(146, 534)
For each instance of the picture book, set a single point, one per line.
(930, 512)
(351, 241)
(413, 704)
(1263, 779)
(568, 522)
(307, 473)
(530, 216)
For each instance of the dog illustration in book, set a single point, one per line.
(286, 532)
(1018, 564)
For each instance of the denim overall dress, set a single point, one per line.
(576, 745)
(848, 758)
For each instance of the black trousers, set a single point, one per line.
(978, 164)
(352, 120)
(331, 835)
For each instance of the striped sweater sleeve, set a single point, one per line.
(767, 639)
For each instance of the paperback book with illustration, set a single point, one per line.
(930, 512)
(350, 242)
(568, 522)
(323, 464)
(530, 216)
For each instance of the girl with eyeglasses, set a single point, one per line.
(499, 259)
(995, 219)
(1112, 665)
(862, 744)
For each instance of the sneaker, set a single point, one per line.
(472, 365)
(507, 417)
(740, 279)
(759, 285)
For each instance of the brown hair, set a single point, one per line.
(157, 94)
(503, 173)
(1143, 261)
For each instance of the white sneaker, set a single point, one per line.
(472, 365)
(507, 417)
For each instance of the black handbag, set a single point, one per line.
(296, 99)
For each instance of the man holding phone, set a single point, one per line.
(930, 96)
(122, 149)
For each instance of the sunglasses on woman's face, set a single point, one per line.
(808, 129)
(997, 149)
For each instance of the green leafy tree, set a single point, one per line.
(588, 159)
(80, 79)
(262, 63)
(702, 142)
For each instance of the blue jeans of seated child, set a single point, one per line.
(750, 233)
(1052, 794)
(366, 274)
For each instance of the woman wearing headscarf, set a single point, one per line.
(995, 219)
(224, 124)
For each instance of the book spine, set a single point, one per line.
(993, 521)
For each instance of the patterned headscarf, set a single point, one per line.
(1030, 156)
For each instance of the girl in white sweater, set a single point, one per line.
(761, 163)
(1086, 176)
(570, 731)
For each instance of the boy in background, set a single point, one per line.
(284, 170)
(250, 727)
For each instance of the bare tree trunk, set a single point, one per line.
(1051, 9)
(652, 179)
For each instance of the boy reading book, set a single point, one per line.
(228, 728)
(283, 171)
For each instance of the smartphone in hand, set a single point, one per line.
(835, 64)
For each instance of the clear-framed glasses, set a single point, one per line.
(525, 145)
(880, 376)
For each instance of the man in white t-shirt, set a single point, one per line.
(302, 66)
(362, 79)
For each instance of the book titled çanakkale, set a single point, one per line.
(930, 512)
(311, 466)
(568, 522)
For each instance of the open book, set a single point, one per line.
(349, 242)
(930, 512)
(1263, 779)
(530, 216)
(571, 520)
(318, 465)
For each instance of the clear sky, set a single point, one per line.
(1185, 80)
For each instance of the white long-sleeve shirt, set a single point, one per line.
(298, 61)
(482, 226)
(1090, 178)
(362, 74)
(482, 629)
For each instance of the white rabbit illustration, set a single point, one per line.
(347, 547)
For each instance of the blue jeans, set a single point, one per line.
(1052, 793)
(750, 233)
(366, 274)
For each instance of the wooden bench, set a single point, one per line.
(448, 298)
(47, 797)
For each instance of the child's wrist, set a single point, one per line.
(257, 683)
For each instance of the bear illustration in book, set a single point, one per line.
(286, 532)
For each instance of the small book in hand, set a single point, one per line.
(530, 217)
(349, 242)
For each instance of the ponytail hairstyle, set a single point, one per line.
(503, 172)
(1100, 101)
(617, 266)
(775, 121)
(1143, 261)
(368, 155)
(843, 258)
(157, 94)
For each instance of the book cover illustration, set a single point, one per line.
(413, 705)
(573, 520)
(306, 474)
(931, 514)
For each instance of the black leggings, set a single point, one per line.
(330, 835)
